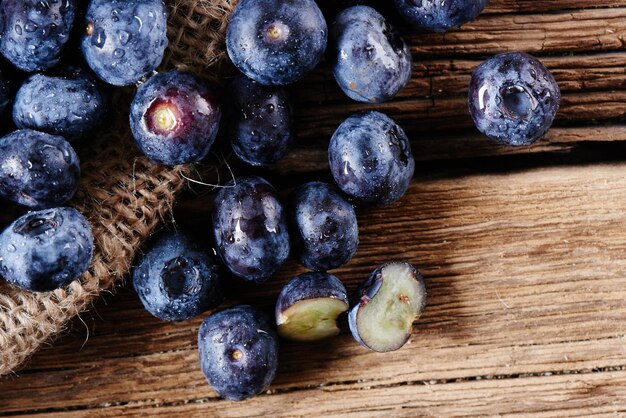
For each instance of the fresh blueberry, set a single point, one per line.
(276, 41)
(238, 350)
(177, 277)
(33, 32)
(438, 15)
(387, 304)
(37, 170)
(325, 231)
(370, 158)
(250, 228)
(174, 118)
(260, 122)
(124, 39)
(308, 307)
(513, 98)
(370, 60)
(45, 250)
(66, 103)
(5, 94)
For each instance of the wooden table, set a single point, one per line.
(524, 251)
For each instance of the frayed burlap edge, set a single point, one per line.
(123, 195)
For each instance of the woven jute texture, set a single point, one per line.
(123, 195)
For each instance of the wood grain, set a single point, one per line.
(525, 272)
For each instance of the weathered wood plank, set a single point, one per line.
(533, 6)
(568, 395)
(525, 271)
(557, 32)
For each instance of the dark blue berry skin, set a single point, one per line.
(513, 99)
(174, 118)
(124, 39)
(260, 122)
(370, 60)
(437, 15)
(5, 93)
(250, 228)
(33, 32)
(370, 158)
(45, 250)
(238, 350)
(37, 170)
(325, 231)
(66, 103)
(177, 277)
(276, 42)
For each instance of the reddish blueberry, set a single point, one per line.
(174, 118)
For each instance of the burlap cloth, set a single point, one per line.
(122, 194)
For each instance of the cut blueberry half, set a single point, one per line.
(308, 307)
(388, 303)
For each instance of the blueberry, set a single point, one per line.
(370, 60)
(5, 93)
(37, 170)
(33, 32)
(67, 103)
(177, 277)
(438, 15)
(325, 231)
(45, 250)
(238, 352)
(260, 122)
(250, 228)
(513, 98)
(308, 307)
(370, 158)
(174, 118)
(387, 304)
(124, 39)
(276, 41)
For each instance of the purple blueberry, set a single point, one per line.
(276, 42)
(177, 277)
(66, 103)
(238, 350)
(124, 39)
(387, 304)
(259, 121)
(37, 170)
(33, 32)
(308, 307)
(174, 118)
(513, 98)
(370, 158)
(370, 60)
(439, 15)
(250, 228)
(45, 250)
(325, 231)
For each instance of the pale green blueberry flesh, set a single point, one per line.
(311, 319)
(384, 320)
